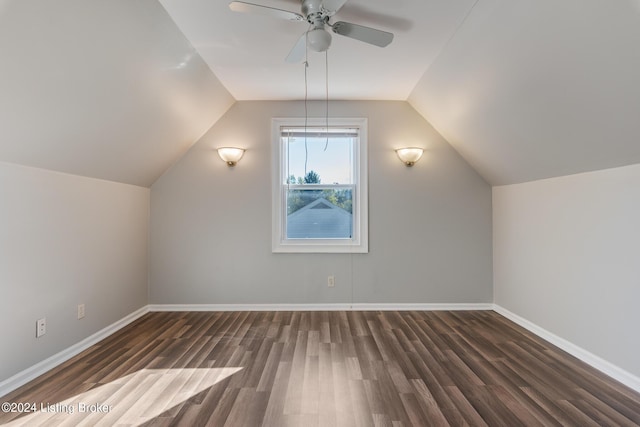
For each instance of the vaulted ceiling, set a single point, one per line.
(120, 89)
(247, 51)
(109, 89)
(530, 89)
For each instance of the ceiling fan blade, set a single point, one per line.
(333, 5)
(362, 33)
(299, 50)
(244, 7)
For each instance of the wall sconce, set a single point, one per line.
(231, 155)
(410, 155)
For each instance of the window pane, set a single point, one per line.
(328, 155)
(319, 214)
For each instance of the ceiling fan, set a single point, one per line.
(317, 13)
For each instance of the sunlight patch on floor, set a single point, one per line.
(132, 400)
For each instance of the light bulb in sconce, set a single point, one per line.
(409, 155)
(231, 155)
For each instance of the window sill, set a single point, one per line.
(319, 248)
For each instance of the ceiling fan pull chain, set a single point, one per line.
(326, 88)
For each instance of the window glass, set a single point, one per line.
(320, 195)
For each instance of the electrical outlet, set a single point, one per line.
(41, 327)
(80, 311)
(331, 281)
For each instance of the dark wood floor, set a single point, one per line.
(461, 368)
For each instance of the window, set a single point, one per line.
(320, 185)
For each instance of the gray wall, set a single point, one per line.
(429, 226)
(66, 240)
(566, 258)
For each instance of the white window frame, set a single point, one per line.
(359, 243)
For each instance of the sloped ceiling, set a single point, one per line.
(247, 51)
(523, 89)
(530, 89)
(109, 89)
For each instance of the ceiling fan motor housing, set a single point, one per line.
(312, 9)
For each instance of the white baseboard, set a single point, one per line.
(589, 358)
(248, 307)
(420, 307)
(318, 307)
(23, 377)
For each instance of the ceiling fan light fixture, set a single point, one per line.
(318, 39)
(317, 13)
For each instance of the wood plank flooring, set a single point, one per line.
(462, 368)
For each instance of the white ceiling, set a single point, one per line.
(531, 89)
(246, 52)
(109, 89)
(522, 89)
